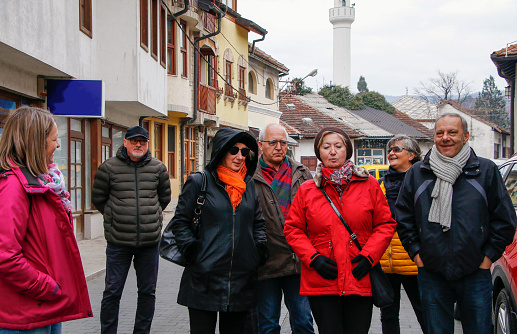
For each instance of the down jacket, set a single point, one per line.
(282, 259)
(222, 275)
(312, 227)
(41, 275)
(483, 218)
(131, 196)
(395, 259)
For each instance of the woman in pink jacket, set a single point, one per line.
(334, 271)
(42, 281)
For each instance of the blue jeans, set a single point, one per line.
(473, 292)
(52, 329)
(118, 261)
(269, 301)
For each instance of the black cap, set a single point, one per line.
(137, 131)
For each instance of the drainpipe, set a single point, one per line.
(512, 118)
(220, 15)
(256, 40)
(184, 10)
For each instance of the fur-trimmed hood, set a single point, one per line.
(358, 171)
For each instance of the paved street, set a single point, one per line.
(173, 318)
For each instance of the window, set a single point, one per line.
(171, 46)
(158, 149)
(211, 72)
(190, 150)
(252, 86)
(85, 17)
(144, 24)
(183, 49)
(163, 36)
(497, 151)
(106, 152)
(242, 72)
(310, 162)
(171, 147)
(269, 89)
(228, 72)
(230, 3)
(511, 184)
(154, 29)
(370, 156)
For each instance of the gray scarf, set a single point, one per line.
(447, 171)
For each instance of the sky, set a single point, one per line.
(395, 45)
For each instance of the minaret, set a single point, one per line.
(341, 17)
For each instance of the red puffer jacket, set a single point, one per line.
(41, 275)
(366, 211)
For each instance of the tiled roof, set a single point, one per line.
(510, 51)
(389, 122)
(414, 123)
(264, 57)
(294, 114)
(343, 115)
(416, 108)
(473, 115)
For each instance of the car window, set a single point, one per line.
(504, 169)
(511, 184)
(372, 172)
(382, 172)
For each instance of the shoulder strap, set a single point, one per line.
(199, 205)
(352, 234)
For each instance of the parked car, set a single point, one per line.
(377, 171)
(504, 270)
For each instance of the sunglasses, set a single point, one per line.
(134, 141)
(396, 149)
(244, 151)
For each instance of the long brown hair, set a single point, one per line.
(24, 139)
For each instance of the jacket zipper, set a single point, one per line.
(137, 210)
(231, 262)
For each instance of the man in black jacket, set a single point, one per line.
(455, 219)
(131, 190)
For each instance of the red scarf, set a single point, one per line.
(234, 183)
(339, 177)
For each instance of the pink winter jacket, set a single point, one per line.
(41, 275)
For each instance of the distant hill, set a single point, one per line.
(469, 103)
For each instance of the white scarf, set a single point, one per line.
(447, 171)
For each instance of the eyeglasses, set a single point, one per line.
(396, 149)
(273, 143)
(244, 151)
(142, 142)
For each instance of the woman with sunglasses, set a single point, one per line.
(403, 152)
(221, 273)
(334, 270)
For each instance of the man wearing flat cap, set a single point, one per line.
(130, 190)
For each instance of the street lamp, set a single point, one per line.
(313, 73)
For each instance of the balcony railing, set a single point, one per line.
(207, 99)
(243, 99)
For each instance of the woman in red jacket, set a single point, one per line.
(42, 281)
(334, 272)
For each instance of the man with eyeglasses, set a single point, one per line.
(277, 179)
(131, 189)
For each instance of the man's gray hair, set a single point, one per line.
(464, 124)
(262, 132)
(410, 144)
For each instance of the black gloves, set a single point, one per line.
(325, 267)
(191, 250)
(263, 253)
(362, 268)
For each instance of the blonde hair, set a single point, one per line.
(24, 139)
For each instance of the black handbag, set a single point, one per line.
(382, 292)
(168, 246)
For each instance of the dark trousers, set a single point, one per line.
(118, 261)
(390, 314)
(472, 292)
(342, 314)
(203, 322)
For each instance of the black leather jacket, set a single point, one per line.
(483, 218)
(223, 273)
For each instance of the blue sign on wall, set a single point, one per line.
(76, 98)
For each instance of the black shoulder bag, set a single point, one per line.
(382, 292)
(168, 246)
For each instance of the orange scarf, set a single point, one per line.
(234, 183)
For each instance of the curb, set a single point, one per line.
(95, 275)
